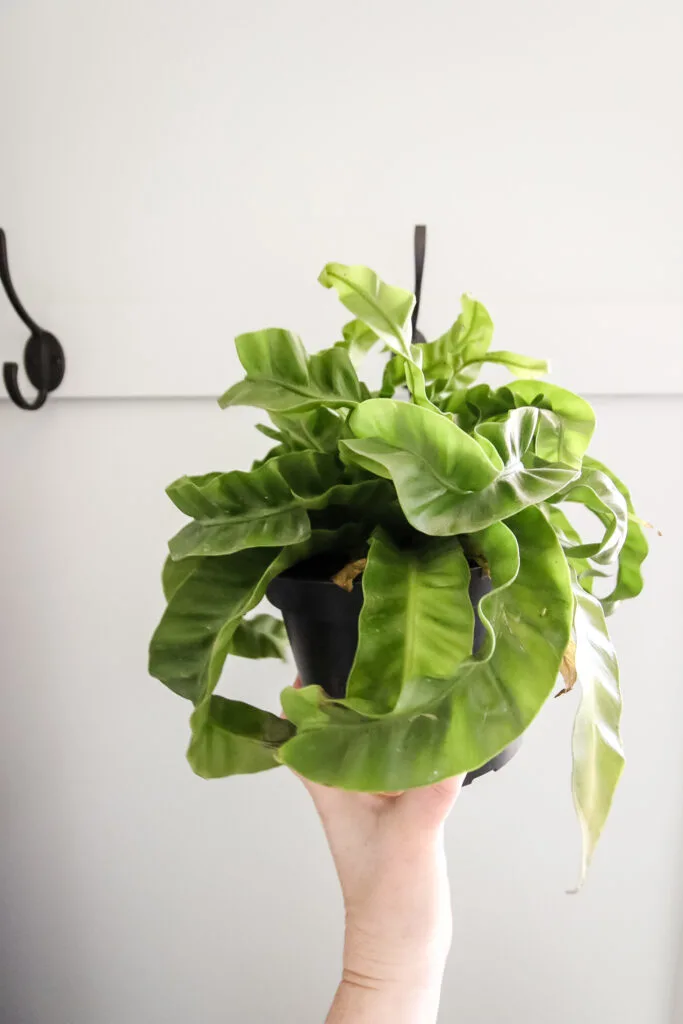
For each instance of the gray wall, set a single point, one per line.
(134, 892)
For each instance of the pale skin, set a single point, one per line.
(388, 850)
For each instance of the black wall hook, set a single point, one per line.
(419, 246)
(43, 355)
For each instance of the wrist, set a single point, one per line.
(400, 931)
(366, 1001)
(395, 962)
(369, 978)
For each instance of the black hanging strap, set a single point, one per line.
(420, 245)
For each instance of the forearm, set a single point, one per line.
(389, 855)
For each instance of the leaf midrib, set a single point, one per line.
(317, 395)
(445, 483)
(395, 331)
(410, 627)
(258, 514)
(431, 705)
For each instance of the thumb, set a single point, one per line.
(429, 806)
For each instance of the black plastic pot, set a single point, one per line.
(322, 625)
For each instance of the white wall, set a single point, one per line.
(172, 174)
(135, 892)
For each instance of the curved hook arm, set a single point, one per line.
(10, 290)
(10, 373)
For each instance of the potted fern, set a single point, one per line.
(418, 541)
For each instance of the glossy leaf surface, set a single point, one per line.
(596, 743)
(421, 440)
(457, 357)
(237, 510)
(439, 728)
(262, 636)
(282, 378)
(445, 482)
(190, 644)
(417, 618)
(458, 354)
(271, 433)
(566, 439)
(596, 492)
(318, 430)
(521, 366)
(471, 406)
(359, 339)
(381, 307)
(229, 737)
(629, 581)
(568, 536)
(384, 309)
(175, 573)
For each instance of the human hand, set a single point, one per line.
(389, 854)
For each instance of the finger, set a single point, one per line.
(297, 684)
(317, 791)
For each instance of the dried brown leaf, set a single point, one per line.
(345, 577)
(483, 565)
(568, 668)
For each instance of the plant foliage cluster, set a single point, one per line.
(426, 477)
